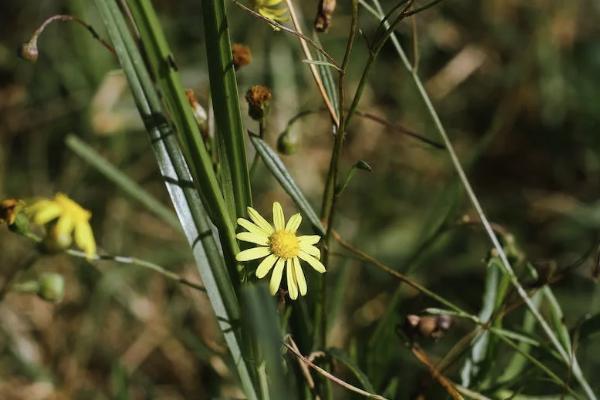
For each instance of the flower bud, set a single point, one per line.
(29, 50)
(258, 98)
(287, 143)
(51, 287)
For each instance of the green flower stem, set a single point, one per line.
(330, 197)
(567, 358)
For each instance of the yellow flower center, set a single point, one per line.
(284, 244)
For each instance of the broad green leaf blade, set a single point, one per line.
(280, 172)
(224, 90)
(125, 183)
(185, 198)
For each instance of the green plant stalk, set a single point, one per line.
(226, 105)
(164, 68)
(486, 224)
(125, 183)
(329, 196)
(185, 198)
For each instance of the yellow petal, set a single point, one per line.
(278, 217)
(64, 225)
(46, 212)
(84, 238)
(270, 3)
(309, 239)
(300, 276)
(291, 279)
(259, 220)
(276, 276)
(253, 254)
(265, 266)
(251, 227)
(293, 223)
(253, 238)
(312, 250)
(316, 264)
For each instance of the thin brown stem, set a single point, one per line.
(313, 67)
(328, 375)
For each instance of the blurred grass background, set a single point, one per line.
(516, 84)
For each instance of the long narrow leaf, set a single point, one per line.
(178, 180)
(226, 105)
(125, 183)
(164, 69)
(280, 172)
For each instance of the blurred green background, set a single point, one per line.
(516, 83)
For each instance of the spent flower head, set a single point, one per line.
(66, 220)
(281, 248)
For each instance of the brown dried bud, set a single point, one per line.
(429, 326)
(324, 14)
(8, 210)
(242, 55)
(258, 98)
(199, 112)
(29, 51)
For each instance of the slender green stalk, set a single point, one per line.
(180, 186)
(125, 183)
(165, 70)
(479, 209)
(329, 196)
(224, 91)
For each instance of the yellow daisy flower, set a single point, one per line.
(271, 9)
(72, 221)
(280, 247)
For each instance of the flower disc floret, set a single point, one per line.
(281, 249)
(284, 244)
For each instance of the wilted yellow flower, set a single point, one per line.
(281, 247)
(271, 9)
(71, 221)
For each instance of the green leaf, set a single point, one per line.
(179, 182)
(280, 172)
(163, 67)
(342, 357)
(226, 105)
(260, 314)
(125, 183)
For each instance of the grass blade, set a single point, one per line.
(178, 179)
(226, 105)
(125, 183)
(280, 172)
(163, 67)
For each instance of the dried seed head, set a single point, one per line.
(258, 98)
(428, 326)
(242, 55)
(324, 14)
